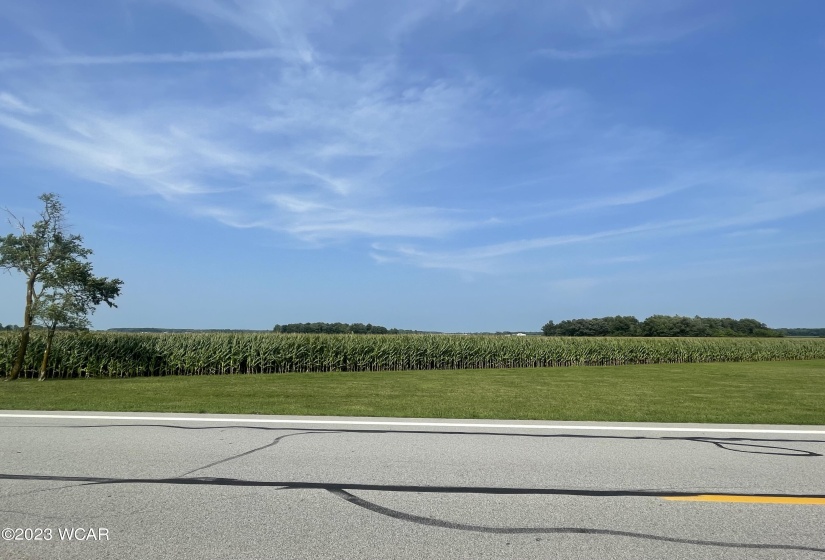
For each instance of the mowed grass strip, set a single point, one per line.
(743, 392)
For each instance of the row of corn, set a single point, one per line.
(104, 354)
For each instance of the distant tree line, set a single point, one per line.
(803, 332)
(162, 330)
(660, 325)
(35, 327)
(337, 328)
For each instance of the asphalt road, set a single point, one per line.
(154, 486)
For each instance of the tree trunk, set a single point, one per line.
(24, 335)
(47, 351)
(21, 354)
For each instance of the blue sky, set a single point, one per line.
(451, 165)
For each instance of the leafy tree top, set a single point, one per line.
(35, 250)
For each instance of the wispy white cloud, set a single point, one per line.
(628, 198)
(603, 18)
(761, 232)
(8, 63)
(126, 152)
(308, 189)
(370, 113)
(325, 223)
(487, 258)
(771, 209)
(581, 54)
(323, 146)
(279, 24)
(747, 212)
(11, 103)
(328, 137)
(610, 29)
(624, 259)
(318, 223)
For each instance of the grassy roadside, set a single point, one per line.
(790, 392)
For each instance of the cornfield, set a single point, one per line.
(103, 354)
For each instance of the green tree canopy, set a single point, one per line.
(659, 325)
(60, 286)
(72, 292)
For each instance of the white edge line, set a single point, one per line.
(420, 424)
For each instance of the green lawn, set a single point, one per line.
(790, 392)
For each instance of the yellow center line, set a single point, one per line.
(748, 499)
